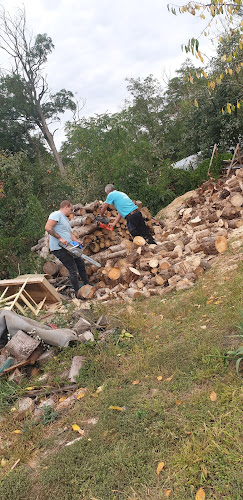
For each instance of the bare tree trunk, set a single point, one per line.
(49, 138)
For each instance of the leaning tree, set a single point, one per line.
(28, 56)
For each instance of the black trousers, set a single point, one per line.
(74, 266)
(137, 227)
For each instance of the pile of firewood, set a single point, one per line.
(184, 247)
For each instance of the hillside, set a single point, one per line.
(155, 390)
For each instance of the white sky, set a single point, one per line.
(98, 43)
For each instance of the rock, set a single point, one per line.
(84, 337)
(45, 357)
(102, 322)
(21, 346)
(77, 364)
(82, 326)
(25, 405)
(46, 403)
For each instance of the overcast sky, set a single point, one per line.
(98, 43)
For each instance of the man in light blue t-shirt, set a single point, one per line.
(129, 211)
(59, 230)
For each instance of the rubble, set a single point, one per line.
(82, 326)
(77, 364)
(21, 346)
(25, 405)
(86, 336)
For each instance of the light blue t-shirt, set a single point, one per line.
(123, 204)
(62, 228)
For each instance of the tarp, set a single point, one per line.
(10, 323)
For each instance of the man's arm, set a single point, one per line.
(113, 224)
(104, 208)
(76, 239)
(49, 227)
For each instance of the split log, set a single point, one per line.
(86, 292)
(139, 241)
(91, 207)
(132, 293)
(236, 200)
(114, 273)
(164, 265)
(117, 248)
(230, 213)
(153, 263)
(51, 268)
(94, 247)
(159, 280)
(213, 245)
(235, 223)
(83, 230)
(82, 221)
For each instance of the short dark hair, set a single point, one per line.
(65, 203)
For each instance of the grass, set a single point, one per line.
(181, 338)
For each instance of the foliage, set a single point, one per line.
(30, 191)
(26, 89)
(237, 354)
(49, 415)
(228, 15)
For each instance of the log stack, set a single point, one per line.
(184, 247)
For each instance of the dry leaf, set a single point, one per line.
(213, 396)
(188, 433)
(80, 395)
(203, 327)
(178, 402)
(118, 408)
(205, 472)
(3, 462)
(159, 377)
(29, 388)
(168, 493)
(210, 301)
(76, 427)
(218, 302)
(169, 378)
(62, 399)
(160, 468)
(135, 382)
(100, 389)
(17, 432)
(200, 495)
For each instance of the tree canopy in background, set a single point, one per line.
(25, 90)
(223, 24)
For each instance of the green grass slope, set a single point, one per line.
(160, 381)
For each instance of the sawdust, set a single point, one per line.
(169, 213)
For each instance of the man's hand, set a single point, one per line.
(112, 225)
(63, 241)
(78, 241)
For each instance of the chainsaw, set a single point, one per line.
(76, 250)
(104, 223)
